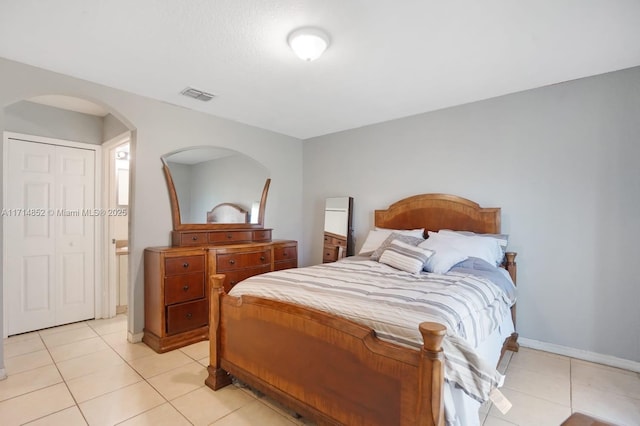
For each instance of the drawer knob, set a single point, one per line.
(285, 254)
(185, 288)
(232, 261)
(262, 258)
(189, 315)
(234, 282)
(185, 265)
(229, 236)
(194, 238)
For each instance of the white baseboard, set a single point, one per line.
(134, 338)
(3, 374)
(581, 354)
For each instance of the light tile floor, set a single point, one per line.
(87, 373)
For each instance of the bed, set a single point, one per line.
(333, 369)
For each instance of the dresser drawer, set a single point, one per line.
(262, 235)
(193, 238)
(335, 241)
(330, 254)
(285, 253)
(234, 277)
(229, 237)
(182, 288)
(187, 316)
(285, 264)
(183, 265)
(235, 261)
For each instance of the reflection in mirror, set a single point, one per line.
(216, 185)
(338, 229)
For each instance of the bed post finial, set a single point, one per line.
(431, 375)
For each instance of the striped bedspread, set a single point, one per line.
(393, 303)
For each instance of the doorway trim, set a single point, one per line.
(109, 290)
(98, 255)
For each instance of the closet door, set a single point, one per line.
(75, 239)
(49, 239)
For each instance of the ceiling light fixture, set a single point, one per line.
(122, 155)
(308, 43)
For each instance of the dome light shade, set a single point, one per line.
(308, 43)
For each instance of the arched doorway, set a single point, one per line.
(53, 118)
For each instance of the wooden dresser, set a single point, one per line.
(335, 247)
(175, 278)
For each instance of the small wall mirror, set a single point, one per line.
(212, 188)
(338, 229)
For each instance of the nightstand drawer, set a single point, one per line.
(187, 316)
(235, 261)
(233, 278)
(183, 265)
(182, 288)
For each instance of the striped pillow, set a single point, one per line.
(395, 236)
(405, 257)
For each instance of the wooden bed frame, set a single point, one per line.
(227, 213)
(331, 369)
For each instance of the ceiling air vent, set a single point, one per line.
(197, 94)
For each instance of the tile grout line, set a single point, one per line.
(571, 385)
(55, 364)
(146, 381)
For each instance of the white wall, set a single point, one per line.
(561, 161)
(159, 128)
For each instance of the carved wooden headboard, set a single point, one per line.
(227, 213)
(439, 211)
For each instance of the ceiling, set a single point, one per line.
(387, 59)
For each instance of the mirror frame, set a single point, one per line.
(175, 209)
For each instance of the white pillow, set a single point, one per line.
(377, 236)
(413, 232)
(503, 239)
(444, 257)
(487, 249)
(406, 257)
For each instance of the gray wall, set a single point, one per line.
(159, 128)
(41, 120)
(209, 187)
(561, 161)
(112, 127)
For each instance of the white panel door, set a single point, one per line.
(49, 238)
(30, 238)
(75, 240)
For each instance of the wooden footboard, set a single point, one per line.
(326, 368)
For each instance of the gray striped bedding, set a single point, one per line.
(393, 303)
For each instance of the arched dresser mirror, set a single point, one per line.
(338, 229)
(218, 199)
(217, 195)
